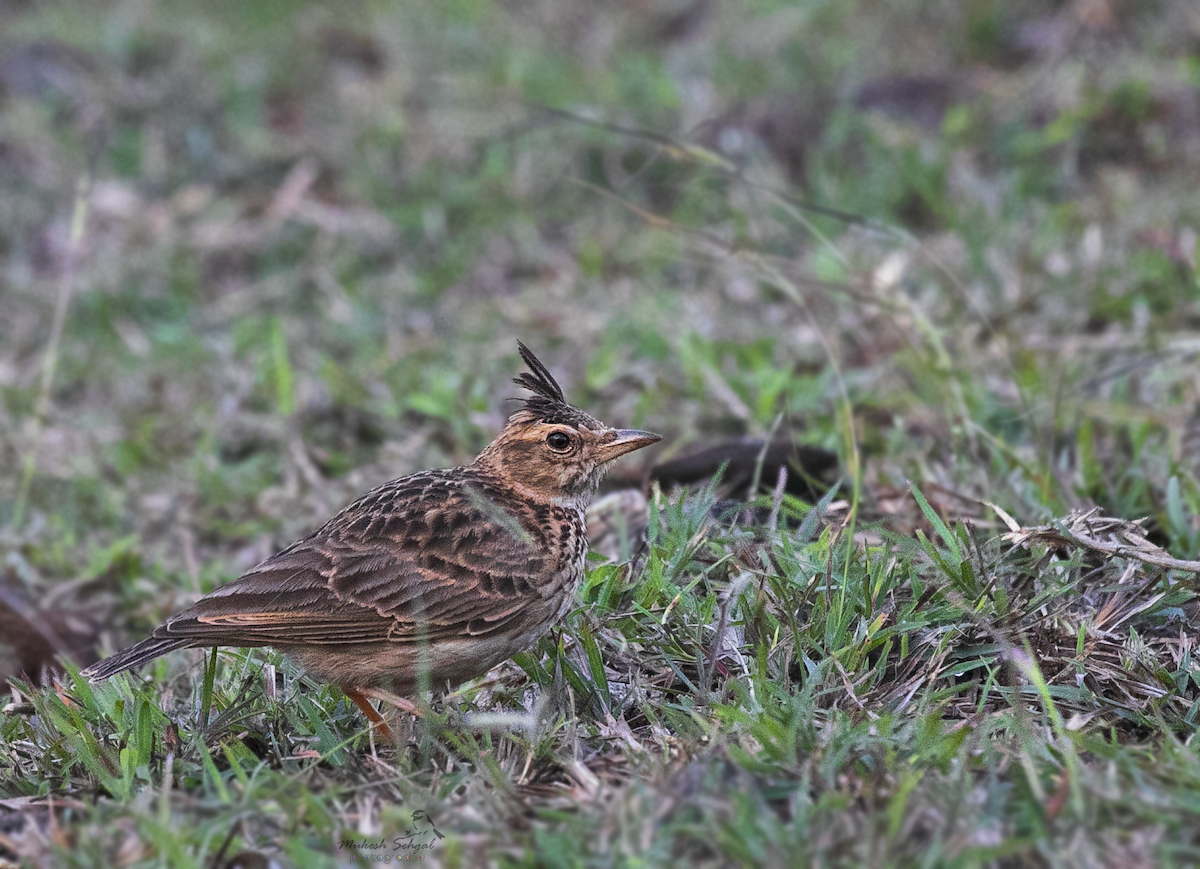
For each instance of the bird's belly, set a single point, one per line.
(405, 668)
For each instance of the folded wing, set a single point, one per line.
(448, 569)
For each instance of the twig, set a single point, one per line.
(1066, 531)
(1155, 557)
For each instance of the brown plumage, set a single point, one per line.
(433, 578)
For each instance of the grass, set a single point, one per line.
(955, 243)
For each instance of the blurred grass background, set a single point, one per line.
(292, 246)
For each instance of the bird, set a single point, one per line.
(428, 580)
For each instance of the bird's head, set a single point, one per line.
(554, 452)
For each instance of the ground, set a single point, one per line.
(258, 258)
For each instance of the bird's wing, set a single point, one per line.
(404, 570)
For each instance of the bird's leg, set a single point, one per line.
(374, 717)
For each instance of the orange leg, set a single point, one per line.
(369, 711)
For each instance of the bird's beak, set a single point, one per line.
(627, 441)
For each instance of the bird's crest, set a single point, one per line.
(547, 403)
(538, 379)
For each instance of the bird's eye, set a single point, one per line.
(558, 441)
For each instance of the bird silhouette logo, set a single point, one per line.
(418, 815)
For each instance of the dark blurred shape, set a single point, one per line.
(247, 860)
(791, 130)
(920, 99)
(355, 51)
(33, 637)
(674, 20)
(788, 125)
(810, 469)
(617, 521)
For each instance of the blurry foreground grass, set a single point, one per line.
(954, 242)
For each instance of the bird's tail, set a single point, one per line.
(135, 656)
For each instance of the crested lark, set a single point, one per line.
(440, 575)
